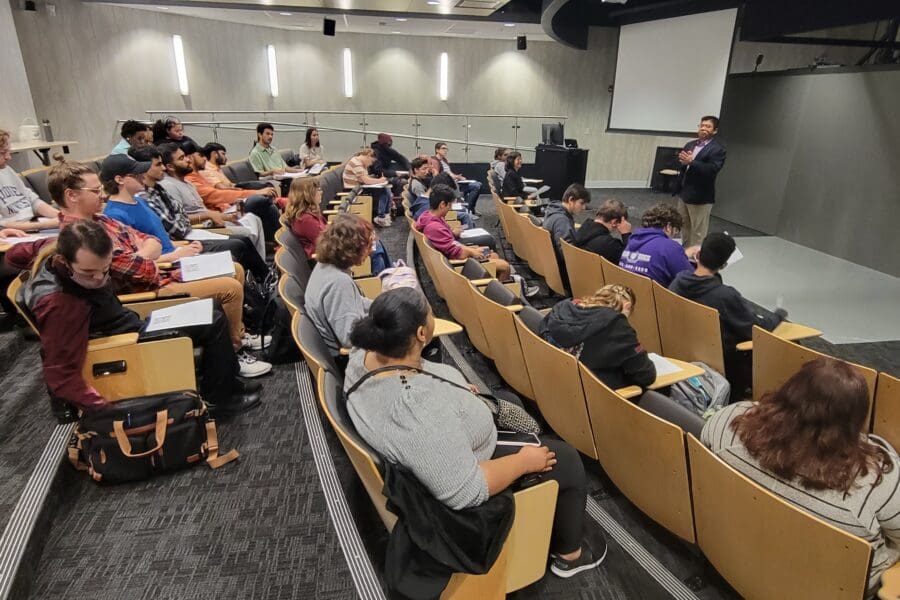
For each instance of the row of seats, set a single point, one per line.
(655, 458)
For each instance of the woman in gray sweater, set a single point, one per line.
(426, 417)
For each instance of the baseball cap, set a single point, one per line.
(121, 165)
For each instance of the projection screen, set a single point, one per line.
(671, 72)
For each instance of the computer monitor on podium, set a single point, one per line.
(553, 134)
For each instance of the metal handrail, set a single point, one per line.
(347, 112)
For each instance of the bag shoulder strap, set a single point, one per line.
(487, 398)
(212, 445)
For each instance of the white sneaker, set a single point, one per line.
(384, 221)
(252, 366)
(254, 341)
(531, 291)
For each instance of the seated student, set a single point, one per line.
(559, 217)
(258, 202)
(419, 176)
(303, 213)
(809, 442)
(167, 220)
(465, 218)
(513, 186)
(184, 194)
(470, 190)
(76, 189)
(19, 205)
(333, 302)
(426, 417)
(311, 152)
(134, 135)
(70, 296)
(433, 226)
(596, 330)
(736, 316)
(264, 158)
(651, 251)
(498, 165)
(356, 173)
(216, 158)
(388, 162)
(169, 130)
(595, 236)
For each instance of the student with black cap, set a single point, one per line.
(736, 316)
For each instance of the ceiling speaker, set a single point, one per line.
(521, 43)
(328, 27)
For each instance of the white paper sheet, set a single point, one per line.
(186, 314)
(663, 365)
(466, 181)
(201, 234)
(316, 168)
(735, 256)
(204, 266)
(527, 180)
(291, 175)
(457, 206)
(376, 186)
(470, 233)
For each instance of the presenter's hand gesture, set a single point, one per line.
(685, 157)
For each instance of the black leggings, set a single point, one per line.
(568, 520)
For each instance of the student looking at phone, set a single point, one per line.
(426, 417)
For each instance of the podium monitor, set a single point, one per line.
(553, 134)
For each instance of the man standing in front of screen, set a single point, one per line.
(701, 161)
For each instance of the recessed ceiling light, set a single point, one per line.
(401, 19)
(509, 24)
(285, 14)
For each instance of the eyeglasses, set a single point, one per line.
(95, 190)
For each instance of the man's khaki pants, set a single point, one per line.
(696, 222)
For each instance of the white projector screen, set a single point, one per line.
(671, 72)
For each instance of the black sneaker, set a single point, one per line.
(587, 560)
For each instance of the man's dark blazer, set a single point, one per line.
(698, 183)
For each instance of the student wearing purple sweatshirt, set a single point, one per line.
(652, 252)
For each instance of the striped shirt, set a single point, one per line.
(868, 511)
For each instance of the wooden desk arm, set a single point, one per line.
(137, 297)
(510, 198)
(457, 261)
(112, 341)
(748, 345)
(180, 242)
(890, 584)
(514, 308)
(632, 391)
(329, 212)
(481, 282)
(164, 265)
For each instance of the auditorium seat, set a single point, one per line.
(500, 294)
(887, 409)
(643, 453)
(291, 293)
(644, 313)
(500, 330)
(766, 547)
(459, 300)
(287, 262)
(239, 171)
(775, 360)
(688, 330)
(556, 381)
(585, 270)
(312, 346)
(37, 181)
(542, 256)
(523, 559)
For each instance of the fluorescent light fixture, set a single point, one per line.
(163, 7)
(179, 65)
(401, 19)
(433, 2)
(443, 77)
(509, 24)
(348, 73)
(273, 70)
(284, 14)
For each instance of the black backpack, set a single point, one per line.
(282, 349)
(257, 297)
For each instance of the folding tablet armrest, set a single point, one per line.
(514, 308)
(631, 391)
(119, 367)
(180, 242)
(137, 297)
(890, 584)
(457, 261)
(329, 212)
(112, 341)
(481, 282)
(369, 286)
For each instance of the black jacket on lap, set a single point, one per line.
(610, 348)
(736, 316)
(595, 237)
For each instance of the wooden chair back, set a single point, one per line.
(14, 295)
(643, 455)
(887, 409)
(312, 346)
(585, 270)
(687, 330)
(766, 547)
(775, 360)
(459, 300)
(643, 315)
(291, 294)
(120, 368)
(543, 256)
(499, 326)
(556, 381)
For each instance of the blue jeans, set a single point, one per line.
(382, 198)
(470, 192)
(379, 258)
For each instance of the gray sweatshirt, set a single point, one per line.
(333, 304)
(436, 430)
(17, 202)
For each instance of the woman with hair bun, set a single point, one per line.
(426, 417)
(596, 330)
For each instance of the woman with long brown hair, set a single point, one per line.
(303, 213)
(807, 441)
(596, 330)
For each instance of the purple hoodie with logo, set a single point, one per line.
(651, 253)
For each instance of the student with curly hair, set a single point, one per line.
(808, 442)
(652, 252)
